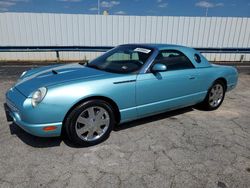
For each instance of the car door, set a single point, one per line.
(176, 87)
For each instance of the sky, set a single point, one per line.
(229, 8)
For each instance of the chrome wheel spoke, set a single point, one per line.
(214, 97)
(100, 114)
(91, 112)
(99, 130)
(83, 129)
(83, 120)
(90, 134)
(103, 122)
(211, 102)
(213, 91)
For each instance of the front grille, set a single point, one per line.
(11, 106)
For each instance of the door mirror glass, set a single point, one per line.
(158, 67)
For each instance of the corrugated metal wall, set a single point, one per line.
(75, 29)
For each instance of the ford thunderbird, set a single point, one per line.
(132, 81)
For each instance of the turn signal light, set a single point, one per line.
(49, 128)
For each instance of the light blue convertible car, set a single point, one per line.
(126, 83)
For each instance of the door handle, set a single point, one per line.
(191, 77)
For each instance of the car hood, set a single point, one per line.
(53, 75)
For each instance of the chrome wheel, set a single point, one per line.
(216, 95)
(92, 123)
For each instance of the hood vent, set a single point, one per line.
(54, 72)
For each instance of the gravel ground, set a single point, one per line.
(183, 148)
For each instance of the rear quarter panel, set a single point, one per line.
(209, 74)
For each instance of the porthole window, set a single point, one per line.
(197, 58)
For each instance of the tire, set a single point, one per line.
(217, 90)
(90, 123)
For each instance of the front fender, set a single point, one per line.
(60, 99)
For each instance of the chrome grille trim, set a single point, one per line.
(11, 106)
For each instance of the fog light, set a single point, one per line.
(49, 128)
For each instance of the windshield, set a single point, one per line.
(122, 59)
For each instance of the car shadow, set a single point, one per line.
(34, 141)
(44, 142)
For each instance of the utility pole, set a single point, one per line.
(206, 11)
(98, 6)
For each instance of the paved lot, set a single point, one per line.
(184, 148)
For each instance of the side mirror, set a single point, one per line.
(158, 67)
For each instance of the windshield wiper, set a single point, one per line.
(90, 65)
(84, 63)
(93, 66)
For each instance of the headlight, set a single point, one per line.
(38, 96)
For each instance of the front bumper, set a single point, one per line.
(15, 110)
(7, 113)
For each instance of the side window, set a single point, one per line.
(174, 60)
